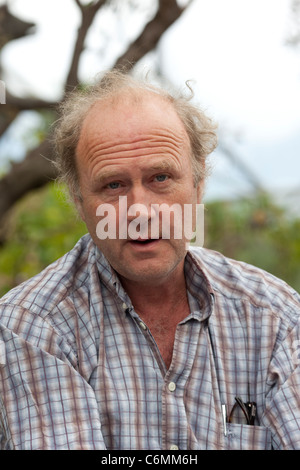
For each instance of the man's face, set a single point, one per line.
(138, 150)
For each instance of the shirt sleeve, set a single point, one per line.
(44, 401)
(282, 412)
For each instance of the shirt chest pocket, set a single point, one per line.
(245, 437)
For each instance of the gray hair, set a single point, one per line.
(200, 128)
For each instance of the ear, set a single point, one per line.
(200, 190)
(79, 206)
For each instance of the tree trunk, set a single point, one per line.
(36, 169)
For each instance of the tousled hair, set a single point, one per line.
(200, 129)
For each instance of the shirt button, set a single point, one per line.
(174, 447)
(142, 325)
(124, 306)
(172, 386)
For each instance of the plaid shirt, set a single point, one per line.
(80, 370)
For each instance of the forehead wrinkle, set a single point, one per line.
(132, 137)
(143, 145)
(110, 169)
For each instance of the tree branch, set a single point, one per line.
(37, 168)
(14, 105)
(33, 172)
(168, 12)
(23, 104)
(87, 17)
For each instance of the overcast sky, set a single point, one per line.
(233, 50)
(248, 79)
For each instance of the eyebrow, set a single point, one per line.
(115, 174)
(107, 175)
(164, 165)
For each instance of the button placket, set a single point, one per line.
(171, 404)
(176, 432)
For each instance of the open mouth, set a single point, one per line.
(144, 242)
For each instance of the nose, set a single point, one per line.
(140, 212)
(139, 204)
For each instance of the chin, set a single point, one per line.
(150, 273)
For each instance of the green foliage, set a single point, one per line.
(258, 232)
(44, 226)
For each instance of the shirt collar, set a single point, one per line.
(198, 286)
(200, 292)
(110, 278)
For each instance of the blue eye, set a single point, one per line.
(161, 178)
(114, 185)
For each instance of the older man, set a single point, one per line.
(138, 342)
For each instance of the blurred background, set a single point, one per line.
(242, 58)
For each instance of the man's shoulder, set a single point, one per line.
(235, 279)
(49, 287)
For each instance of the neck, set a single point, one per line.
(161, 307)
(151, 297)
